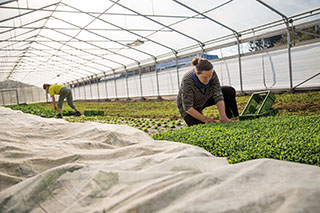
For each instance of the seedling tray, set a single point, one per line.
(259, 104)
(271, 112)
(93, 113)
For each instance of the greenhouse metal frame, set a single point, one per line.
(112, 49)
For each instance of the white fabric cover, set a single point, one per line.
(50, 165)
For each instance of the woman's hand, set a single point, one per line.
(223, 116)
(194, 113)
(209, 120)
(225, 120)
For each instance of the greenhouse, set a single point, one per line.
(123, 50)
(130, 148)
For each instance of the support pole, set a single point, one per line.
(177, 66)
(237, 35)
(78, 85)
(239, 60)
(141, 92)
(97, 86)
(31, 94)
(115, 84)
(2, 98)
(47, 100)
(127, 86)
(74, 92)
(287, 22)
(84, 90)
(105, 85)
(17, 96)
(90, 82)
(306, 80)
(289, 53)
(157, 79)
(39, 95)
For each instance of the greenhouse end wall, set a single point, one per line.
(26, 95)
(12, 93)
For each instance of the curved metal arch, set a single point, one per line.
(90, 52)
(95, 29)
(57, 50)
(82, 65)
(185, 35)
(85, 72)
(73, 55)
(72, 37)
(14, 28)
(236, 34)
(7, 2)
(84, 28)
(136, 34)
(13, 69)
(91, 43)
(39, 9)
(193, 17)
(93, 13)
(287, 22)
(152, 56)
(26, 40)
(207, 17)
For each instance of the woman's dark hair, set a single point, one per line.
(201, 64)
(45, 86)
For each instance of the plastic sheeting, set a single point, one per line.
(268, 70)
(50, 165)
(12, 93)
(68, 40)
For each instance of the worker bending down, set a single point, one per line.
(63, 92)
(200, 88)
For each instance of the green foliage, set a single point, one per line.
(288, 104)
(35, 110)
(145, 124)
(145, 109)
(291, 138)
(68, 112)
(43, 112)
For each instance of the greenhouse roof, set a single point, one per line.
(63, 41)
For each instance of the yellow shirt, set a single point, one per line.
(55, 89)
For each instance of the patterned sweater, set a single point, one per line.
(191, 96)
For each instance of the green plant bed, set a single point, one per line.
(43, 112)
(93, 113)
(290, 138)
(151, 126)
(288, 104)
(35, 110)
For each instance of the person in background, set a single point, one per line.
(201, 88)
(63, 93)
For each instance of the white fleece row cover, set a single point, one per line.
(50, 165)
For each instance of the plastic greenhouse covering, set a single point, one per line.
(124, 51)
(124, 48)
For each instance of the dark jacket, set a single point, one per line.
(191, 96)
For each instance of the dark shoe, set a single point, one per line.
(78, 113)
(59, 116)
